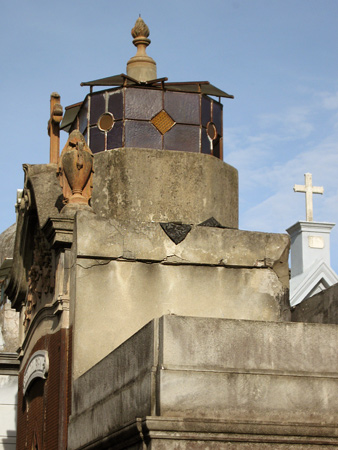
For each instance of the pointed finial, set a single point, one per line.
(140, 29)
(141, 66)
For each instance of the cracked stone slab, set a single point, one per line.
(101, 238)
(128, 294)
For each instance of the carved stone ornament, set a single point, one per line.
(37, 367)
(53, 127)
(76, 170)
(41, 278)
(177, 232)
(140, 29)
(24, 200)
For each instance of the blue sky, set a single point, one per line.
(278, 58)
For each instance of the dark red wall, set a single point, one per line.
(44, 411)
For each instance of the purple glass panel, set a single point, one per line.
(142, 134)
(114, 136)
(83, 116)
(115, 104)
(205, 143)
(183, 107)
(73, 127)
(182, 137)
(217, 147)
(142, 103)
(97, 140)
(206, 110)
(97, 107)
(85, 135)
(217, 117)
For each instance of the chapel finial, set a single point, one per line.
(141, 66)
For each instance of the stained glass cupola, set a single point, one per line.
(138, 109)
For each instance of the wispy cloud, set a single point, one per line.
(293, 123)
(329, 100)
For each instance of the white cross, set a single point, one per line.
(308, 189)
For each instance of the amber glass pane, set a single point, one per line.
(115, 104)
(96, 140)
(142, 103)
(206, 110)
(211, 130)
(97, 107)
(205, 143)
(105, 122)
(183, 107)
(217, 117)
(162, 122)
(114, 136)
(142, 134)
(182, 137)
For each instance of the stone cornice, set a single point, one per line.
(311, 227)
(59, 231)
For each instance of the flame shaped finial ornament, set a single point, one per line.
(140, 29)
(141, 67)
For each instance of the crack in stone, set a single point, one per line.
(95, 264)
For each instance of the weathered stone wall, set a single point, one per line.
(7, 239)
(126, 274)
(321, 308)
(224, 383)
(9, 329)
(44, 409)
(148, 185)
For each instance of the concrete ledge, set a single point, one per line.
(101, 238)
(242, 381)
(182, 434)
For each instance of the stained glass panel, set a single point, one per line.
(182, 137)
(114, 136)
(142, 134)
(96, 140)
(97, 107)
(115, 104)
(142, 103)
(217, 117)
(206, 110)
(183, 107)
(83, 117)
(205, 143)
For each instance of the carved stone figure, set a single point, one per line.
(41, 279)
(53, 127)
(76, 170)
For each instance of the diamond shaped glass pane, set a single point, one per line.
(163, 122)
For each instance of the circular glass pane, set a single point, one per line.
(211, 130)
(105, 122)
